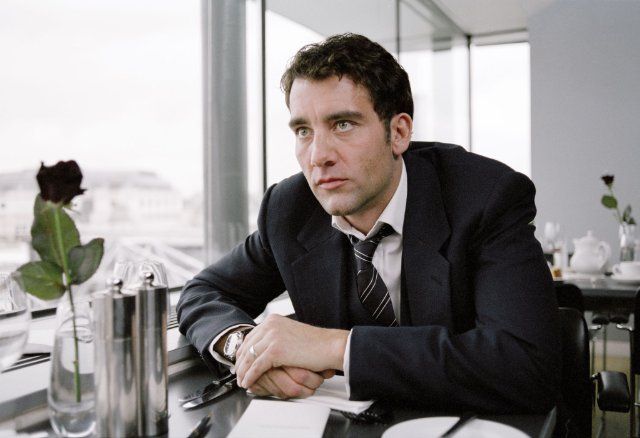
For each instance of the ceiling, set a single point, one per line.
(422, 21)
(487, 17)
(420, 25)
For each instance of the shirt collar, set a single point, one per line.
(393, 214)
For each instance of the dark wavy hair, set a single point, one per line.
(363, 61)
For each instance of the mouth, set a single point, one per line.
(330, 183)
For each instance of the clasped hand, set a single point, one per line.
(291, 359)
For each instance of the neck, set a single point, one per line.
(365, 220)
(363, 225)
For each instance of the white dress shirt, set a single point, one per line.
(387, 259)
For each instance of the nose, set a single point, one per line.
(323, 152)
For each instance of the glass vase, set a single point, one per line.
(71, 394)
(627, 233)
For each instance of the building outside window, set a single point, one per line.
(116, 86)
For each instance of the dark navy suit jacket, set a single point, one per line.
(479, 328)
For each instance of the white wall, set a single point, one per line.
(585, 112)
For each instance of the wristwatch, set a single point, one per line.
(233, 343)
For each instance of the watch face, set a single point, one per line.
(232, 344)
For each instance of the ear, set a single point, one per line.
(400, 129)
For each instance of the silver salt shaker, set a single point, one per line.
(116, 378)
(152, 362)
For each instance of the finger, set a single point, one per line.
(267, 384)
(243, 363)
(271, 381)
(249, 360)
(256, 369)
(304, 377)
(243, 352)
(286, 385)
(246, 358)
(251, 338)
(260, 390)
(249, 354)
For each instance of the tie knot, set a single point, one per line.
(368, 246)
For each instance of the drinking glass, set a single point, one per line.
(131, 272)
(15, 317)
(551, 235)
(626, 233)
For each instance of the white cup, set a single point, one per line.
(627, 269)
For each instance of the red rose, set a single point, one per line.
(60, 183)
(608, 179)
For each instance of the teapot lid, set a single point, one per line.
(588, 239)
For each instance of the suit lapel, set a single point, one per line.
(426, 229)
(320, 273)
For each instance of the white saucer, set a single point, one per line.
(625, 280)
(436, 426)
(572, 275)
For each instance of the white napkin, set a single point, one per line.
(333, 394)
(281, 419)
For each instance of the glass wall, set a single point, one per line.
(116, 86)
(501, 108)
(283, 39)
(255, 155)
(435, 55)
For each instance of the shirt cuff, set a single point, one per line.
(345, 365)
(217, 356)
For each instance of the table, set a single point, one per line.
(187, 373)
(228, 410)
(606, 295)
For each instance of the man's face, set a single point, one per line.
(342, 148)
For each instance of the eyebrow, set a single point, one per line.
(357, 115)
(297, 122)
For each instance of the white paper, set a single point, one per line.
(333, 394)
(268, 418)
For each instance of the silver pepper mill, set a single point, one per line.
(116, 380)
(151, 357)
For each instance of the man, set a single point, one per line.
(412, 267)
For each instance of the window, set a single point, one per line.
(434, 53)
(116, 86)
(284, 38)
(500, 103)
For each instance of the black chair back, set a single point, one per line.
(574, 411)
(569, 295)
(635, 339)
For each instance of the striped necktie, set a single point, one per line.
(372, 291)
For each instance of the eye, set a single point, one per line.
(344, 126)
(302, 132)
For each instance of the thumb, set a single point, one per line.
(327, 374)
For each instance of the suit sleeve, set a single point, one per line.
(232, 291)
(508, 362)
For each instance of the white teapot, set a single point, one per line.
(590, 256)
